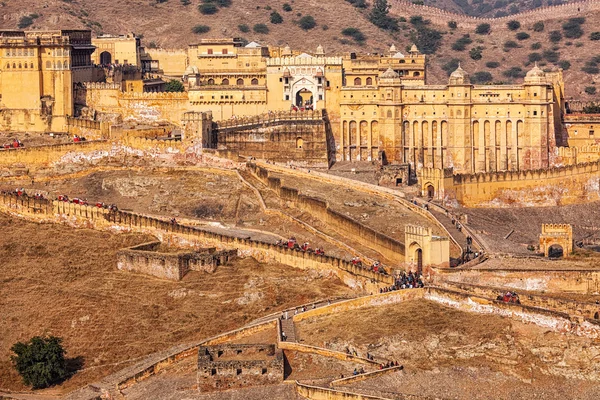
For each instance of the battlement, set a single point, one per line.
(300, 60)
(101, 85)
(557, 228)
(436, 173)
(191, 116)
(154, 95)
(417, 230)
(269, 118)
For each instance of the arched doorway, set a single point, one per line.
(105, 58)
(304, 98)
(430, 191)
(419, 260)
(299, 143)
(555, 251)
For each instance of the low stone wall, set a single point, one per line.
(40, 156)
(365, 376)
(304, 348)
(91, 130)
(321, 393)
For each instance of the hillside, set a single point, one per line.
(491, 8)
(500, 53)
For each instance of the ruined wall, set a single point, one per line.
(91, 130)
(37, 156)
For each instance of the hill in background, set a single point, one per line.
(497, 50)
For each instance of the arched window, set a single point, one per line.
(369, 81)
(8, 52)
(299, 143)
(7, 65)
(31, 65)
(255, 81)
(357, 82)
(66, 65)
(14, 65)
(389, 114)
(240, 82)
(225, 82)
(211, 81)
(59, 52)
(25, 65)
(417, 74)
(48, 65)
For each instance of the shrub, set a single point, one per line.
(451, 65)
(358, 3)
(481, 77)
(590, 90)
(244, 28)
(555, 36)
(261, 28)
(417, 20)
(475, 53)
(427, 40)
(551, 56)
(536, 46)
(590, 68)
(572, 28)
(595, 36)
(492, 64)
(27, 20)
(538, 26)
(380, 18)
(174, 85)
(355, 34)
(482, 29)
(523, 36)
(186, 2)
(201, 29)
(276, 18)
(208, 9)
(533, 57)
(152, 45)
(325, 27)
(452, 24)
(40, 362)
(578, 44)
(307, 22)
(510, 44)
(286, 7)
(461, 43)
(219, 3)
(514, 72)
(513, 25)
(564, 64)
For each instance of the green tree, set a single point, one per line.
(590, 90)
(536, 46)
(199, 29)
(482, 29)
(174, 85)
(307, 22)
(451, 65)
(514, 72)
(475, 53)
(354, 33)
(595, 36)
(533, 57)
(510, 44)
(286, 7)
(564, 64)
(555, 36)
(41, 361)
(492, 64)
(244, 28)
(461, 43)
(523, 36)
(427, 40)
(208, 9)
(276, 18)
(380, 18)
(452, 24)
(513, 25)
(538, 26)
(481, 77)
(551, 56)
(261, 28)
(572, 28)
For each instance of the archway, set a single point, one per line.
(419, 260)
(105, 58)
(299, 143)
(555, 251)
(304, 98)
(430, 192)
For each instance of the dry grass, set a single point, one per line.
(62, 281)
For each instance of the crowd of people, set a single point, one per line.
(405, 281)
(293, 244)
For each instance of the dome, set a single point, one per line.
(535, 75)
(390, 74)
(393, 48)
(459, 77)
(413, 48)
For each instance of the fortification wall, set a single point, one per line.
(391, 249)
(441, 17)
(38, 156)
(91, 130)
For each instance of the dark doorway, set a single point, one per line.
(430, 191)
(105, 58)
(555, 251)
(419, 257)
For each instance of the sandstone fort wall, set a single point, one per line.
(45, 155)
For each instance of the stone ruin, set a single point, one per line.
(153, 259)
(230, 366)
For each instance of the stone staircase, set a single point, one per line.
(287, 326)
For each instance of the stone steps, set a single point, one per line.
(287, 326)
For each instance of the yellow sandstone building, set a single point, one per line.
(379, 107)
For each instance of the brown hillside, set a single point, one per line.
(169, 25)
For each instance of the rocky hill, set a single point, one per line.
(491, 49)
(491, 8)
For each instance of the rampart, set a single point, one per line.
(230, 366)
(391, 249)
(441, 17)
(45, 155)
(91, 130)
(148, 259)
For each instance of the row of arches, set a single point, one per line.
(238, 82)
(19, 65)
(360, 140)
(20, 52)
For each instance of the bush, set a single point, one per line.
(538, 26)
(201, 29)
(451, 65)
(523, 36)
(514, 72)
(380, 18)
(534, 57)
(578, 44)
(551, 56)
(287, 8)
(427, 40)
(276, 18)
(564, 64)
(219, 3)
(590, 90)
(307, 22)
(418, 20)
(513, 25)
(358, 3)
(355, 34)
(572, 28)
(482, 29)
(174, 85)
(461, 43)
(208, 9)
(186, 2)
(536, 46)
(492, 64)
(481, 77)
(27, 20)
(40, 362)
(261, 28)
(590, 68)
(475, 53)
(510, 44)
(555, 36)
(152, 45)
(452, 24)
(244, 28)
(595, 36)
